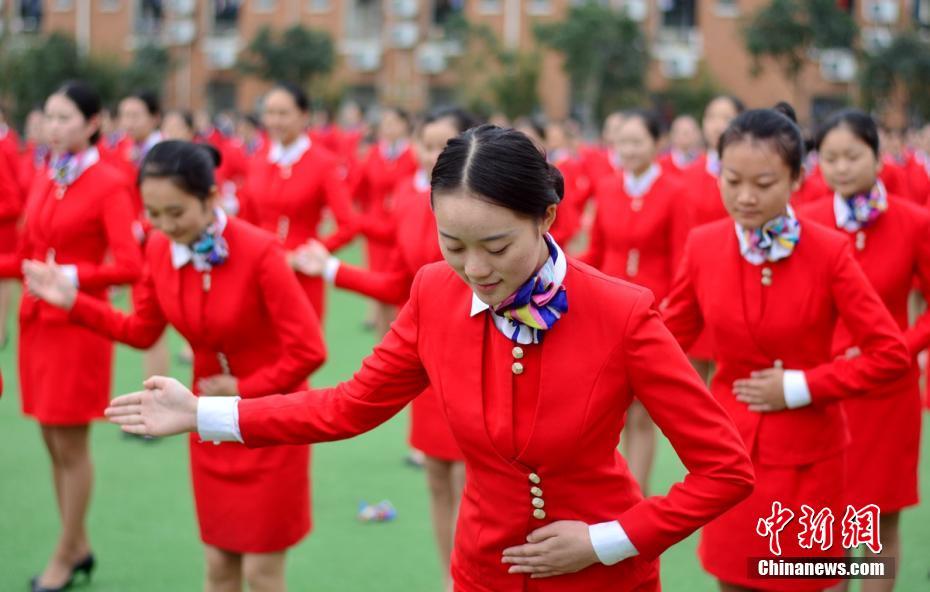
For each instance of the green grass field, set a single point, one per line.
(142, 521)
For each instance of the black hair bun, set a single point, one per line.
(215, 155)
(787, 110)
(557, 181)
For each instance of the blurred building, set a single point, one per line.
(399, 52)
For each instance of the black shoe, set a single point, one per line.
(84, 567)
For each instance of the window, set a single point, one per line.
(539, 7)
(109, 6)
(727, 8)
(922, 13)
(150, 15)
(445, 10)
(363, 20)
(63, 5)
(679, 14)
(319, 5)
(489, 6)
(30, 12)
(264, 5)
(225, 15)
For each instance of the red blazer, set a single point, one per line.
(90, 227)
(121, 156)
(577, 190)
(603, 352)
(412, 228)
(895, 251)
(812, 189)
(894, 176)
(704, 193)
(253, 314)
(792, 320)
(289, 201)
(376, 177)
(11, 197)
(668, 164)
(640, 245)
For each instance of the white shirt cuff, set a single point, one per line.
(611, 545)
(218, 419)
(71, 272)
(796, 392)
(331, 269)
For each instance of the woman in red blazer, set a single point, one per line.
(78, 214)
(890, 238)
(638, 233)
(416, 245)
(701, 180)
(535, 359)
(770, 289)
(225, 286)
(290, 183)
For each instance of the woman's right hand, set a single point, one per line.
(165, 408)
(50, 283)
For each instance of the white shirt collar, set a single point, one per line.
(154, 138)
(712, 165)
(421, 181)
(78, 165)
(393, 150)
(682, 159)
(638, 186)
(558, 275)
(181, 255)
(282, 155)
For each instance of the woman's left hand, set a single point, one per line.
(556, 549)
(763, 391)
(220, 385)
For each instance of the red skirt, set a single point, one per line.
(883, 454)
(64, 372)
(429, 429)
(728, 543)
(251, 500)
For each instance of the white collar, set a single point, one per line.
(78, 165)
(282, 155)
(421, 181)
(682, 159)
(154, 138)
(393, 150)
(712, 165)
(558, 275)
(639, 186)
(181, 255)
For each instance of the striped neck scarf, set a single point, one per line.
(775, 240)
(539, 303)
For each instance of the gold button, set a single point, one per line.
(534, 478)
(517, 368)
(766, 271)
(536, 491)
(539, 514)
(766, 280)
(518, 353)
(538, 502)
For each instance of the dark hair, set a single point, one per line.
(188, 166)
(461, 119)
(649, 118)
(149, 99)
(403, 115)
(85, 98)
(300, 97)
(186, 116)
(530, 122)
(777, 125)
(856, 121)
(252, 120)
(501, 166)
(738, 105)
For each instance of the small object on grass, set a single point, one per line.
(383, 511)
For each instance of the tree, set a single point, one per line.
(605, 57)
(786, 31)
(899, 73)
(298, 55)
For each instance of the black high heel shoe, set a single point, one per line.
(84, 567)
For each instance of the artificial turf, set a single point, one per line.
(142, 523)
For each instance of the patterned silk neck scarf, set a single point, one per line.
(775, 240)
(210, 249)
(66, 168)
(860, 210)
(539, 303)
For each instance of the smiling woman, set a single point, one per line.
(535, 359)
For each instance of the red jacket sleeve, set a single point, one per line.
(298, 329)
(391, 286)
(681, 309)
(884, 356)
(337, 197)
(125, 266)
(389, 378)
(705, 439)
(918, 336)
(140, 329)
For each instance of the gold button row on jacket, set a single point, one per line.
(766, 276)
(517, 367)
(537, 501)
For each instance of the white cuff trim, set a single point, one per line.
(218, 419)
(611, 545)
(71, 272)
(796, 392)
(331, 269)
